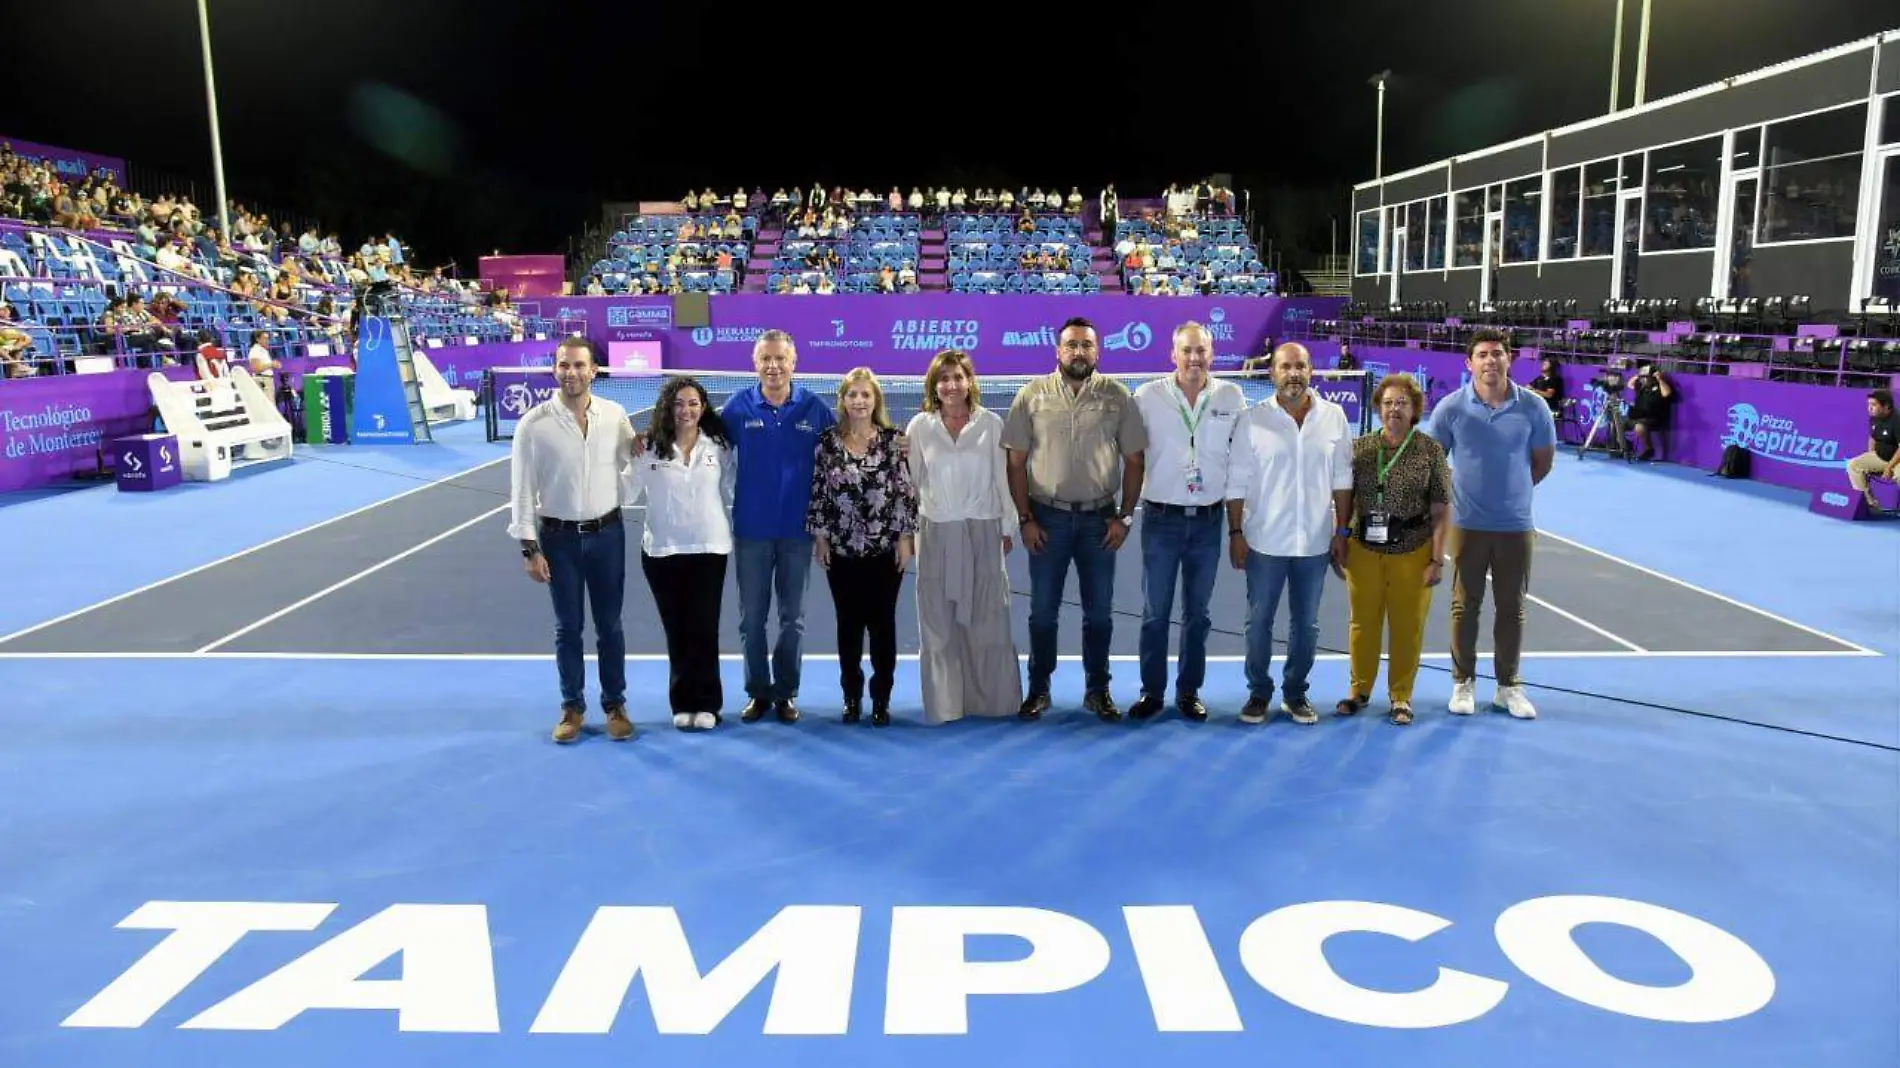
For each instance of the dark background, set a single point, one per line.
(471, 126)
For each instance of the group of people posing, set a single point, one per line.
(778, 477)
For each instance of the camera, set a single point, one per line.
(1610, 381)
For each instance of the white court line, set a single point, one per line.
(365, 573)
(1586, 624)
(246, 552)
(831, 658)
(1858, 649)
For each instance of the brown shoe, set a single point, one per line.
(619, 727)
(570, 725)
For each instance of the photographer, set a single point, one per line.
(1652, 397)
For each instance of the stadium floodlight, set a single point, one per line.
(211, 101)
(1378, 145)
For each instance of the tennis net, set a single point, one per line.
(509, 392)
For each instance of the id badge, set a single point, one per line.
(1376, 527)
(1194, 481)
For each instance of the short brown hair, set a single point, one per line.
(942, 362)
(1405, 384)
(1491, 334)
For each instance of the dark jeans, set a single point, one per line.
(1304, 577)
(687, 588)
(1073, 537)
(864, 598)
(584, 570)
(1176, 544)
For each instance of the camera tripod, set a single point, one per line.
(1610, 417)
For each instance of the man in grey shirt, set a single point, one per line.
(1075, 441)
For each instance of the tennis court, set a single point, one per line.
(324, 709)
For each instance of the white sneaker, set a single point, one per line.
(683, 720)
(705, 721)
(1464, 697)
(1512, 700)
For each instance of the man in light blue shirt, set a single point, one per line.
(776, 426)
(1501, 441)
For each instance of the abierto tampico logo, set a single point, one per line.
(933, 335)
(1774, 437)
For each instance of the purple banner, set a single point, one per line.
(1008, 334)
(1800, 436)
(71, 164)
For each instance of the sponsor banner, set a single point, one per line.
(71, 164)
(379, 413)
(1800, 436)
(1009, 334)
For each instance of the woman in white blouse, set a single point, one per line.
(686, 473)
(966, 526)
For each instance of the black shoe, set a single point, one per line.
(1145, 708)
(852, 710)
(787, 710)
(1191, 708)
(1103, 706)
(754, 710)
(880, 715)
(1034, 706)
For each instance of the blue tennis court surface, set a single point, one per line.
(278, 790)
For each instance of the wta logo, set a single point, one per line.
(518, 397)
(1772, 437)
(1135, 337)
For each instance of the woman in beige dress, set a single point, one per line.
(966, 526)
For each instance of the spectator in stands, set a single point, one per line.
(907, 278)
(916, 199)
(886, 279)
(1401, 497)
(16, 345)
(1501, 441)
(862, 517)
(1190, 419)
(686, 477)
(965, 529)
(1289, 506)
(1652, 397)
(776, 425)
(1075, 441)
(1882, 457)
(594, 288)
(570, 454)
(212, 359)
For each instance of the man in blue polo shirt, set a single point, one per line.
(776, 425)
(1501, 441)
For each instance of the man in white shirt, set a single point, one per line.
(1190, 419)
(570, 454)
(1289, 512)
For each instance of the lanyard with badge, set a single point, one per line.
(1378, 524)
(1195, 483)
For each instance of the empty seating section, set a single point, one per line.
(704, 253)
(1190, 254)
(61, 288)
(1777, 337)
(1018, 253)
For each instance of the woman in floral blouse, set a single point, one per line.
(862, 517)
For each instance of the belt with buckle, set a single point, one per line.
(581, 526)
(1190, 510)
(1104, 504)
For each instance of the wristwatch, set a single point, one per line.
(1127, 518)
(1342, 532)
(530, 552)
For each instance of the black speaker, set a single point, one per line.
(692, 310)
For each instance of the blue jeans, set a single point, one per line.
(1267, 576)
(1077, 537)
(766, 566)
(1173, 544)
(586, 569)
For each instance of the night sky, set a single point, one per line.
(471, 125)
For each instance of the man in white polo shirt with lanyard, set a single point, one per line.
(1190, 418)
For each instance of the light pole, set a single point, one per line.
(1642, 56)
(1378, 149)
(217, 148)
(1616, 56)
